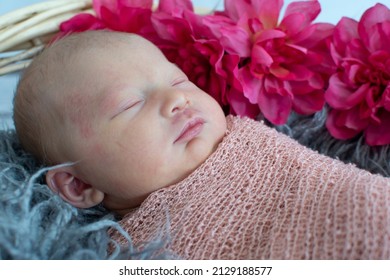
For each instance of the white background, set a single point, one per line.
(332, 11)
(281, 269)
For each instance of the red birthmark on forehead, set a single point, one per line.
(79, 108)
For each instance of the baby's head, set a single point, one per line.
(113, 105)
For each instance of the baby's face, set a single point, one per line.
(138, 124)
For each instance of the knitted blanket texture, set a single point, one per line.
(261, 195)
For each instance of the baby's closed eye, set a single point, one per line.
(128, 105)
(179, 81)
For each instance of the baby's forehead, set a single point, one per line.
(82, 57)
(102, 41)
(81, 47)
(110, 48)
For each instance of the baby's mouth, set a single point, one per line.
(190, 130)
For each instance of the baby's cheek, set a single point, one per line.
(98, 152)
(149, 169)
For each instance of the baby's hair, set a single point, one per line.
(38, 119)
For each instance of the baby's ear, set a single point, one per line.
(62, 180)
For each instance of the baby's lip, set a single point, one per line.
(192, 128)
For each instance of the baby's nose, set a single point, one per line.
(174, 101)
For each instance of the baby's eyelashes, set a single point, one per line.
(179, 81)
(132, 105)
(129, 105)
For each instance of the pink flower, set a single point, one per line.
(359, 92)
(281, 63)
(81, 22)
(119, 15)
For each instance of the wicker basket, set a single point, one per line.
(24, 32)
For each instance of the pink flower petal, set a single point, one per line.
(376, 135)
(118, 5)
(307, 104)
(170, 6)
(314, 35)
(293, 24)
(269, 35)
(274, 102)
(353, 120)
(336, 123)
(232, 37)
(310, 9)
(241, 106)
(340, 96)
(345, 32)
(235, 9)
(379, 37)
(355, 50)
(81, 22)
(260, 58)
(298, 73)
(251, 85)
(317, 81)
(254, 24)
(126, 19)
(228, 69)
(213, 85)
(275, 108)
(377, 14)
(297, 20)
(306, 87)
(108, 4)
(336, 56)
(281, 72)
(386, 98)
(175, 30)
(267, 11)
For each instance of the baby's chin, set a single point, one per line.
(198, 153)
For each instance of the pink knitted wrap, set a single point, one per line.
(261, 195)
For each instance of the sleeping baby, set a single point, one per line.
(154, 148)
